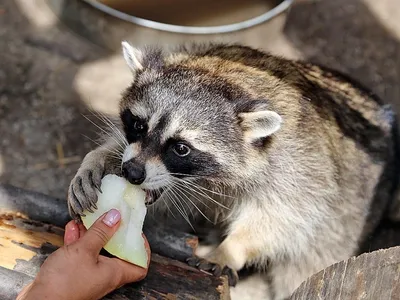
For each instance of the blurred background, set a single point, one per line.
(60, 58)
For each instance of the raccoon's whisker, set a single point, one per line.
(104, 131)
(188, 198)
(208, 190)
(179, 209)
(204, 196)
(190, 191)
(199, 186)
(197, 190)
(103, 118)
(92, 140)
(114, 151)
(118, 136)
(171, 198)
(182, 198)
(114, 127)
(166, 204)
(191, 194)
(188, 175)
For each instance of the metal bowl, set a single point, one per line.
(147, 14)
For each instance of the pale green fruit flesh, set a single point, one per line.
(127, 243)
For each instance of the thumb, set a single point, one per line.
(101, 232)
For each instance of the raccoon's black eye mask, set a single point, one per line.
(134, 126)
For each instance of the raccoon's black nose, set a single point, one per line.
(134, 173)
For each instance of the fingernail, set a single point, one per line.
(112, 217)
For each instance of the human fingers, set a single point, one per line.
(71, 233)
(148, 250)
(97, 236)
(131, 272)
(82, 229)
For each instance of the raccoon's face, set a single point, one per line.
(180, 129)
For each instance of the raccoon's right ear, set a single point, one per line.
(133, 57)
(257, 121)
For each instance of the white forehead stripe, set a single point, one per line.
(170, 130)
(131, 151)
(190, 135)
(139, 111)
(155, 118)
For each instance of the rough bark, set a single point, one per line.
(374, 275)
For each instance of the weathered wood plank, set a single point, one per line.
(23, 240)
(374, 276)
(11, 283)
(174, 280)
(25, 244)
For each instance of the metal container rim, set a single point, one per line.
(280, 8)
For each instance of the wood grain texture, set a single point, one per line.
(373, 276)
(22, 240)
(172, 280)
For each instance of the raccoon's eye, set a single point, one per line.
(139, 126)
(181, 149)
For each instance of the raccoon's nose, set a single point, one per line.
(134, 173)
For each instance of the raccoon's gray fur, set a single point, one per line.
(300, 161)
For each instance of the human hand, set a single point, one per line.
(76, 271)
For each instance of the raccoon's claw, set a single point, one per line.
(74, 207)
(214, 268)
(82, 191)
(233, 276)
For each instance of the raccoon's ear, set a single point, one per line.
(257, 121)
(133, 57)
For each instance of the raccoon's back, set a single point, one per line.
(359, 114)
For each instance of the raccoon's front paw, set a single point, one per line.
(82, 190)
(214, 268)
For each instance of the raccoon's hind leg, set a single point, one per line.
(229, 257)
(82, 190)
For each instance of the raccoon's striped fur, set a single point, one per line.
(296, 163)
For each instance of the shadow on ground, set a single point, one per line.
(40, 112)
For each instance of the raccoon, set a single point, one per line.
(295, 163)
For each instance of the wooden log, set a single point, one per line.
(35, 206)
(164, 240)
(373, 276)
(174, 280)
(11, 283)
(25, 244)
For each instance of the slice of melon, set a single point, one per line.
(127, 243)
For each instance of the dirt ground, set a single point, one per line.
(61, 61)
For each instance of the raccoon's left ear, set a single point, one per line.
(138, 60)
(257, 121)
(133, 57)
